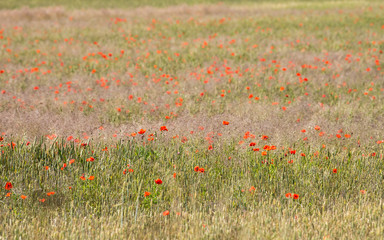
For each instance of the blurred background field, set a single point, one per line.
(128, 4)
(199, 119)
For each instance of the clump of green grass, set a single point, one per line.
(235, 184)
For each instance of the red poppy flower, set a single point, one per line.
(146, 194)
(166, 213)
(288, 195)
(8, 186)
(264, 137)
(225, 123)
(334, 170)
(142, 131)
(163, 128)
(158, 181)
(196, 169)
(210, 147)
(202, 170)
(295, 196)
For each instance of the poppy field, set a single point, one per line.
(255, 120)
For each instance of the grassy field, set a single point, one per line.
(129, 4)
(250, 121)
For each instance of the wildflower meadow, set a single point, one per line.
(191, 120)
